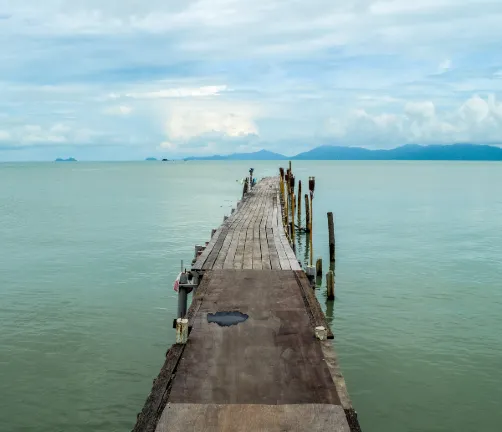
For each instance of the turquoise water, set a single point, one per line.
(88, 253)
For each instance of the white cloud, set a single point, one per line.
(476, 120)
(173, 93)
(444, 66)
(420, 110)
(188, 120)
(4, 135)
(120, 110)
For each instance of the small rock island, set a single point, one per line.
(70, 159)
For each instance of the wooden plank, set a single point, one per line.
(283, 259)
(247, 262)
(257, 263)
(271, 358)
(252, 417)
(274, 257)
(215, 250)
(234, 246)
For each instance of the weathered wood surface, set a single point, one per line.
(271, 358)
(252, 418)
(267, 372)
(253, 236)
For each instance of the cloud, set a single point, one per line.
(173, 93)
(477, 120)
(420, 110)
(4, 135)
(201, 125)
(122, 110)
(444, 66)
(214, 75)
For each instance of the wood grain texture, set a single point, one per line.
(252, 418)
(271, 358)
(253, 236)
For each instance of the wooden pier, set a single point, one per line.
(258, 355)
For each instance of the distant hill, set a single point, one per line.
(259, 155)
(70, 159)
(467, 152)
(471, 152)
(151, 159)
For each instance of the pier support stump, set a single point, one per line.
(310, 271)
(331, 229)
(318, 267)
(299, 205)
(181, 331)
(307, 214)
(330, 285)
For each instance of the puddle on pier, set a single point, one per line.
(226, 319)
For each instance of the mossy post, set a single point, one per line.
(318, 267)
(307, 216)
(331, 230)
(330, 285)
(299, 198)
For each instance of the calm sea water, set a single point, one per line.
(88, 253)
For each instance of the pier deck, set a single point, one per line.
(253, 237)
(266, 371)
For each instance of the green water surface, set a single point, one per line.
(89, 251)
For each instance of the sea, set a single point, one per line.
(89, 253)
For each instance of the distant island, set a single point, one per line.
(151, 159)
(451, 152)
(70, 159)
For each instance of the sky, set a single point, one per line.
(125, 80)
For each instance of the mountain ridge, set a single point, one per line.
(458, 152)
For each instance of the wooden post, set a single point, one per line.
(299, 197)
(182, 298)
(330, 285)
(307, 215)
(286, 202)
(245, 188)
(181, 331)
(331, 229)
(311, 190)
(318, 267)
(293, 220)
(311, 233)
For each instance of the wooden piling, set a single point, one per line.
(307, 214)
(330, 285)
(293, 220)
(299, 197)
(331, 229)
(286, 203)
(311, 190)
(245, 188)
(181, 330)
(318, 267)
